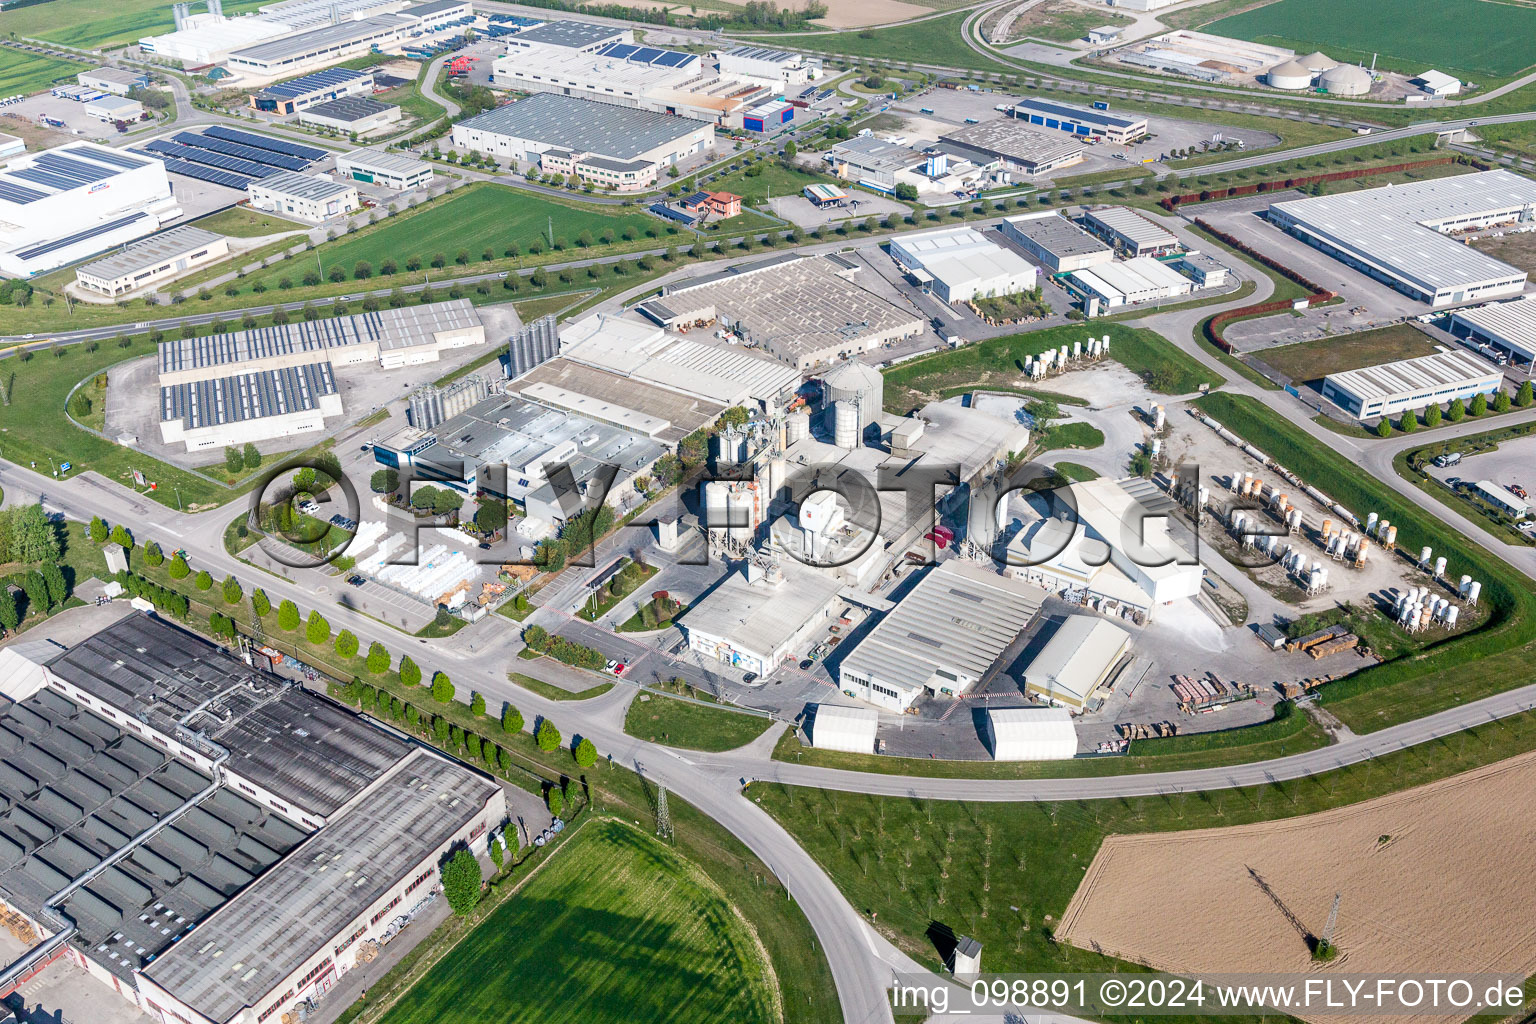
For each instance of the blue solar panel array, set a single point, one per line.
(79, 171)
(249, 168)
(14, 193)
(211, 174)
(311, 83)
(79, 236)
(115, 158)
(647, 55)
(264, 142)
(260, 156)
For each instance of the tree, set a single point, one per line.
(233, 460)
(36, 589)
(346, 643)
(556, 800)
(1409, 421)
(490, 515)
(585, 753)
(498, 854)
(1479, 405)
(153, 555)
(203, 580)
(535, 637)
(378, 658)
(1501, 401)
(477, 703)
(906, 191)
(442, 689)
(178, 569)
(511, 719)
(1384, 427)
(10, 616)
(548, 737)
(1524, 396)
(232, 590)
(317, 631)
(122, 538)
(250, 457)
(1432, 415)
(1457, 411)
(53, 579)
(260, 603)
(791, 150)
(410, 674)
(288, 615)
(384, 480)
(98, 530)
(461, 882)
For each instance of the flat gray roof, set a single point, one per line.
(315, 40)
(1132, 225)
(121, 76)
(254, 395)
(1057, 235)
(300, 905)
(1012, 138)
(569, 33)
(347, 108)
(301, 748)
(584, 126)
(150, 252)
(1398, 226)
(1410, 376)
(959, 617)
(301, 186)
(384, 160)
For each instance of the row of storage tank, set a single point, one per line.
(1419, 609)
(1057, 358)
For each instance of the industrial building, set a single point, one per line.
(1504, 500)
(65, 204)
(316, 48)
(1204, 57)
(1133, 281)
(1059, 244)
(944, 638)
(540, 457)
(290, 97)
(1030, 734)
(881, 164)
(959, 264)
(1082, 122)
(1019, 149)
(1078, 659)
(580, 36)
(805, 311)
(114, 108)
(1206, 271)
(835, 727)
(1505, 327)
(1129, 232)
(1397, 234)
(11, 145)
(304, 196)
(216, 412)
(1095, 539)
(762, 614)
(1437, 83)
(175, 859)
(386, 168)
(779, 69)
(613, 147)
(357, 115)
(117, 81)
(152, 261)
(1411, 384)
(200, 40)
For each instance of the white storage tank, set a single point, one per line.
(1345, 80)
(797, 426)
(845, 425)
(1288, 75)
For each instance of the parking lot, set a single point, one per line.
(1514, 462)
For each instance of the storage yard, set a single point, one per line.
(1415, 893)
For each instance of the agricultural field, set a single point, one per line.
(1314, 360)
(25, 73)
(616, 927)
(91, 24)
(861, 13)
(1451, 35)
(1415, 892)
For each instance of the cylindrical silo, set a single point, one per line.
(845, 425)
(798, 426)
(1439, 567)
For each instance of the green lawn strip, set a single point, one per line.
(553, 692)
(1076, 471)
(1409, 463)
(1313, 360)
(640, 931)
(936, 41)
(691, 724)
(1278, 737)
(530, 310)
(1003, 873)
(1073, 435)
(594, 608)
(999, 361)
(244, 222)
(1438, 678)
(1351, 429)
(432, 631)
(26, 73)
(774, 179)
(1244, 290)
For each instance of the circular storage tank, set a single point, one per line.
(1317, 62)
(1345, 80)
(797, 426)
(1288, 75)
(845, 425)
(860, 385)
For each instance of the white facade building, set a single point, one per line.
(961, 263)
(1030, 734)
(305, 196)
(842, 728)
(1411, 384)
(778, 68)
(1502, 327)
(1142, 279)
(384, 167)
(155, 260)
(1076, 661)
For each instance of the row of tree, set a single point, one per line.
(1457, 411)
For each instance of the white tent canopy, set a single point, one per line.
(1031, 734)
(843, 728)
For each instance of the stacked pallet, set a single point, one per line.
(1311, 640)
(1334, 645)
(1196, 693)
(1146, 730)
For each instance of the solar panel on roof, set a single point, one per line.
(202, 173)
(675, 59)
(14, 193)
(78, 169)
(202, 156)
(116, 159)
(79, 236)
(260, 156)
(45, 177)
(618, 51)
(264, 142)
(646, 54)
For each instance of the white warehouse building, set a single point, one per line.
(1393, 388)
(62, 205)
(957, 264)
(1076, 661)
(1505, 327)
(1030, 734)
(1397, 234)
(841, 728)
(308, 197)
(1142, 279)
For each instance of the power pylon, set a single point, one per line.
(663, 816)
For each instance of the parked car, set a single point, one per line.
(356, 581)
(1518, 491)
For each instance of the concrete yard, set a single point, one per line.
(63, 992)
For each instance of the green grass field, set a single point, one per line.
(1473, 35)
(935, 41)
(88, 24)
(472, 220)
(683, 723)
(775, 179)
(614, 928)
(1311, 360)
(244, 222)
(26, 73)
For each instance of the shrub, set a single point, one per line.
(548, 737)
(316, 630)
(442, 689)
(511, 719)
(288, 615)
(585, 753)
(346, 643)
(410, 673)
(378, 658)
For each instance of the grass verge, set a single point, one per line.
(691, 724)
